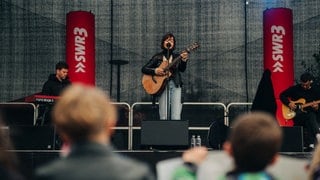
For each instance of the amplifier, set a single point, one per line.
(165, 133)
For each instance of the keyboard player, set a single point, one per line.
(58, 81)
(55, 84)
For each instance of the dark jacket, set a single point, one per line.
(296, 92)
(157, 59)
(89, 160)
(264, 99)
(53, 86)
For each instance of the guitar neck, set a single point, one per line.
(174, 61)
(310, 103)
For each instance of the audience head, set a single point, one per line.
(84, 113)
(254, 141)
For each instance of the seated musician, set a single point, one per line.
(305, 93)
(53, 87)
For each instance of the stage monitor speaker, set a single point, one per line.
(18, 114)
(165, 133)
(292, 139)
(33, 137)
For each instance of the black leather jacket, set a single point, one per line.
(157, 59)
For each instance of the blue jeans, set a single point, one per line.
(174, 105)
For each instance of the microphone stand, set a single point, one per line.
(168, 93)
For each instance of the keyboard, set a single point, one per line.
(41, 99)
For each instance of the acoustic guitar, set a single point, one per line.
(300, 103)
(154, 84)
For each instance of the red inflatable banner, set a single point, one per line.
(80, 46)
(278, 52)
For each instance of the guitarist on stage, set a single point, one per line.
(307, 117)
(168, 101)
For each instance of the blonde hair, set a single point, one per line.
(83, 111)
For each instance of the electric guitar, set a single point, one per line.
(300, 103)
(154, 84)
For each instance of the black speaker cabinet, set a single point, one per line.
(16, 114)
(33, 137)
(292, 139)
(165, 133)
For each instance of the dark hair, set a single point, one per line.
(166, 36)
(306, 77)
(256, 138)
(62, 65)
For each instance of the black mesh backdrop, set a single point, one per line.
(33, 40)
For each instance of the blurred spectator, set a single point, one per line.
(9, 165)
(314, 167)
(254, 142)
(84, 118)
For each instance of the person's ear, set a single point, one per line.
(274, 159)
(64, 137)
(109, 126)
(227, 146)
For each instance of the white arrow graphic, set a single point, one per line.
(277, 67)
(80, 68)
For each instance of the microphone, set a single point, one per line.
(168, 45)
